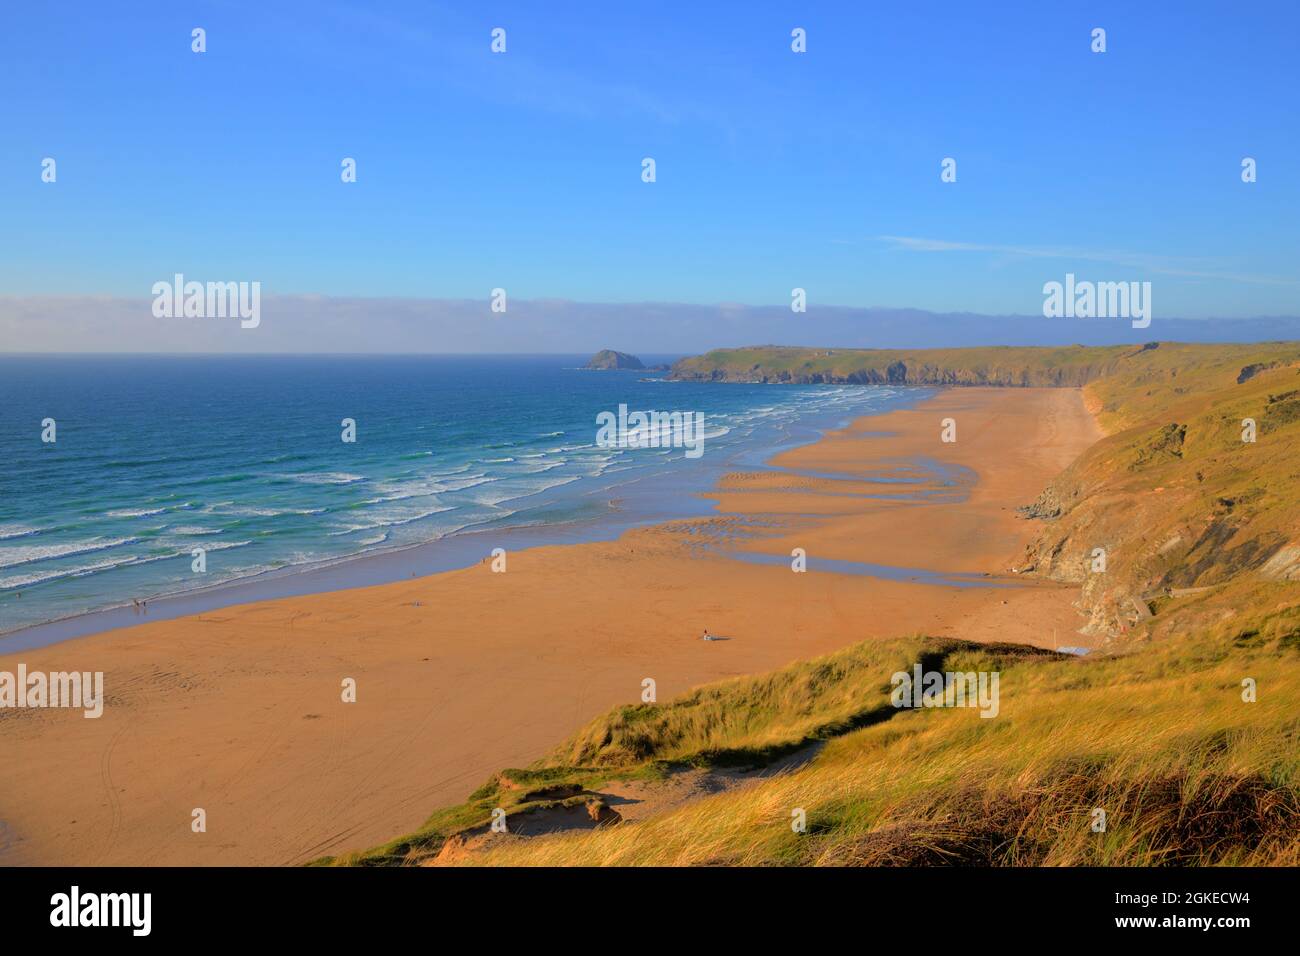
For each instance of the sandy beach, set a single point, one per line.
(239, 711)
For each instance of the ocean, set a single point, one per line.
(243, 457)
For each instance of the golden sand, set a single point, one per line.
(239, 712)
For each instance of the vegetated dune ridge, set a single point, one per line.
(1199, 604)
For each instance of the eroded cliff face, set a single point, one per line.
(1088, 539)
(1179, 521)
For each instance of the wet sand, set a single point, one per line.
(239, 711)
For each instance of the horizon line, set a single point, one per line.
(723, 304)
(638, 353)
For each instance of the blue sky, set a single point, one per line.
(775, 169)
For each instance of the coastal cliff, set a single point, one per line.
(1185, 516)
(1071, 366)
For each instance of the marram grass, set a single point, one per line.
(1160, 738)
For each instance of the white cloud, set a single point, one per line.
(1159, 265)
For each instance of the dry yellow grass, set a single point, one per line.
(1161, 740)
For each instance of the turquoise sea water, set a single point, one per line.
(242, 457)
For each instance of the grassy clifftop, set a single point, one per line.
(1074, 365)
